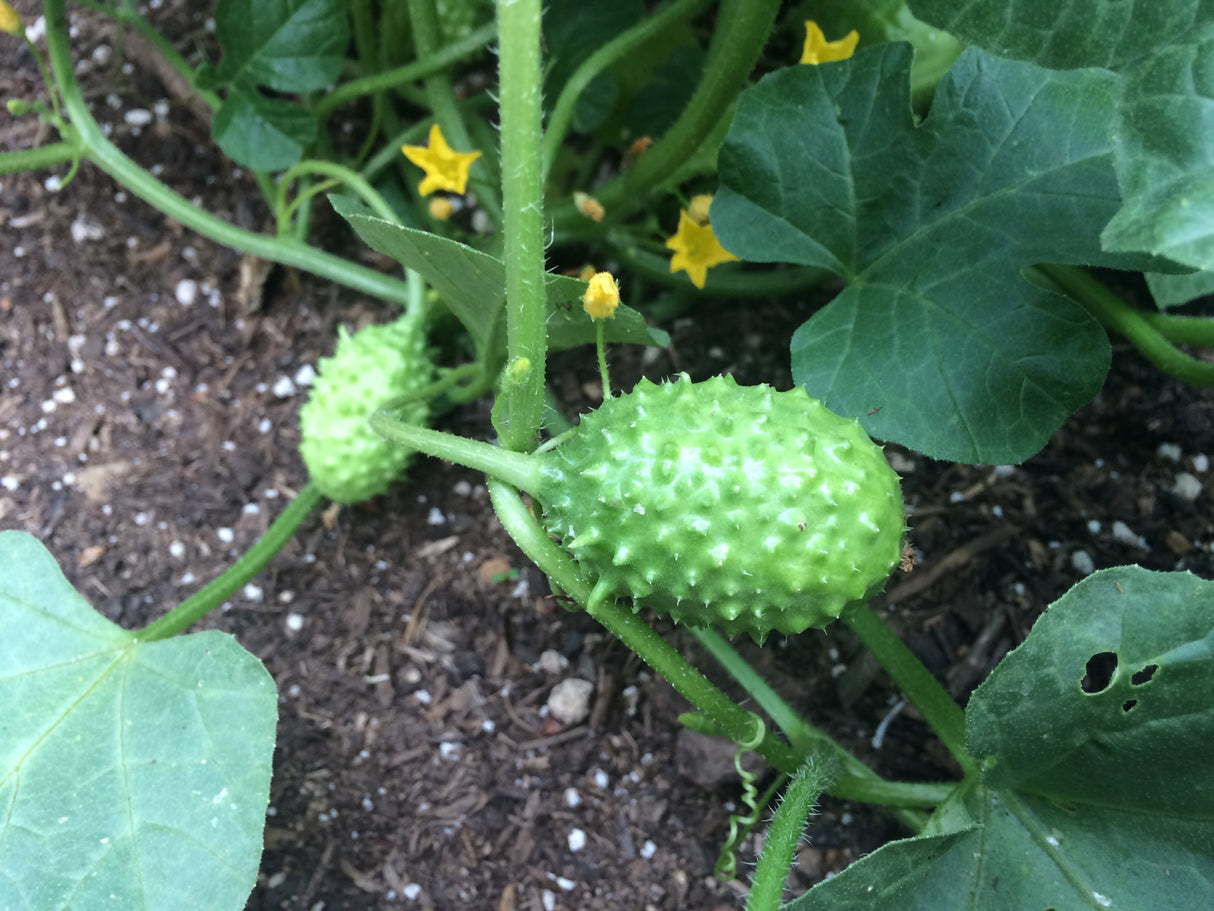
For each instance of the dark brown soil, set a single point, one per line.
(148, 439)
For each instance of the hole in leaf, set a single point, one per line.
(1128, 704)
(1098, 673)
(1144, 675)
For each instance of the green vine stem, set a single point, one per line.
(776, 859)
(338, 173)
(522, 402)
(608, 55)
(742, 29)
(627, 626)
(1145, 334)
(227, 583)
(1182, 330)
(441, 59)
(94, 145)
(936, 706)
(35, 159)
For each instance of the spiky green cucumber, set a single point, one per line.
(347, 460)
(733, 506)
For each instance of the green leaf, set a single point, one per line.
(473, 284)
(938, 342)
(260, 133)
(1174, 290)
(1094, 740)
(1164, 143)
(132, 775)
(288, 45)
(1066, 34)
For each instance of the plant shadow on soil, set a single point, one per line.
(148, 435)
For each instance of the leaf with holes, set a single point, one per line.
(1093, 737)
(132, 774)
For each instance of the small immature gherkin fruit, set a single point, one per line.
(738, 507)
(346, 459)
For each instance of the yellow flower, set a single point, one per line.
(602, 297)
(9, 20)
(819, 50)
(445, 168)
(696, 248)
(441, 208)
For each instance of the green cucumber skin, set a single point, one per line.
(738, 507)
(345, 458)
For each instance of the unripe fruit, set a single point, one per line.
(732, 506)
(347, 460)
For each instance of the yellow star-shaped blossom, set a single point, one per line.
(446, 169)
(819, 50)
(696, 249)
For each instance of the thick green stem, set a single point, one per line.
(802, 793)
(741, 31)
(1182, 330)
(235, 576)
(608, 55)
(936, 706)
(1117, 315)
(854, 780)
(106, 156)
(518, 25)
(515, 468)
(627, 626)
(46, 156)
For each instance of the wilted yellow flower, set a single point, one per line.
(445, 168)
(589, 206)
(441, 208)
(696, 248)
(9, 20)
(602, 297)
(819, 50)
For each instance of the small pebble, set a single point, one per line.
(569, 701)
(553, 662)
(1124, 534)
(1082, 561)
(1186, 486)
(577, 840)
(1169, 451)
(186, 292)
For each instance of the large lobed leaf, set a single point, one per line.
(132, 775)
(938, 342)
(1162, 122)
(1096, 790)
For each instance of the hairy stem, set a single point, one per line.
(806, 786)
(522, 197)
